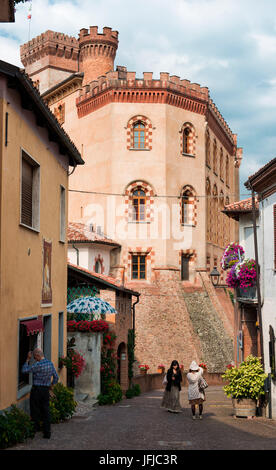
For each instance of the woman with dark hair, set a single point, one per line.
(173, 386)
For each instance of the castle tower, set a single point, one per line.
(97, 52)
(50, 58)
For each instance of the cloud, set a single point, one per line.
(227, 45)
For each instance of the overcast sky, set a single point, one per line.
(227, 45)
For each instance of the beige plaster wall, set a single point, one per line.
(21, 253)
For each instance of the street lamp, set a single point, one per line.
(215, 275)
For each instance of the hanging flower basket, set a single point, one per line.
(246, 274)
(233, 254)
(231, 279)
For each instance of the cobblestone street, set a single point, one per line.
(140, 424)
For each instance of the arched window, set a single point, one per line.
(221, 165)
(207, 148)
(221, 238)
(227, 171)
(208, 208)
(98, 267)
(227, 223)
(186, 134)
(215, 157)
(138, 204)
(214, 223)
(187, 140)
(185, 208)
(188, 212)
(139, 135)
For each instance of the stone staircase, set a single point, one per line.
(216, 343)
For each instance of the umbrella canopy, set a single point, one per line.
(94, 306)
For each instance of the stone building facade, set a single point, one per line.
(160, 163)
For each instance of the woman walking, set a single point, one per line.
(173, 386)
(195, 395)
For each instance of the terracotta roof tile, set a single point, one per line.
(241, 206)
(111, 280)
(78, 232)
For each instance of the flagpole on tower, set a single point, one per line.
(29, 17)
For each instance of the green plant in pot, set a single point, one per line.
(245, 384)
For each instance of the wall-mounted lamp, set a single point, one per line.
(215, 275)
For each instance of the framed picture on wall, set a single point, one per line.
(47, 299)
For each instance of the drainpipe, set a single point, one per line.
(78, 256)
(133, 315)
(259, 300)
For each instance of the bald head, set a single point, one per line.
(38, 354)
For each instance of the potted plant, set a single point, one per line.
(233, 253)
(203, 366)
(245, 384)
(161, 369)
(143, 369)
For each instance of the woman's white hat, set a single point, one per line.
(194, 366)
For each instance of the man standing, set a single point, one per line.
(43, 371)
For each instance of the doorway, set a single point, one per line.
(185, 272)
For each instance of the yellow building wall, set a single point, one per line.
(21, 253)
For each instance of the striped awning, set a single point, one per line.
(33, 326)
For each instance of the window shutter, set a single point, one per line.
(274, 227)
(27, 194)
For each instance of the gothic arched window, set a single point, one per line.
(188, 206)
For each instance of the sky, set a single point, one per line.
(227, 45)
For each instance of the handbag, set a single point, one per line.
(202, 384)
(165, 381)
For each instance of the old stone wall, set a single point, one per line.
(177, 322)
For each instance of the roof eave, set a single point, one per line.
(36, 103)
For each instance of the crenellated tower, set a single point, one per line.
(50, 58)
(97, 52)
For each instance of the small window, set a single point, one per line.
(186, 134)
(138, 267)
(138, 204)
(30, 192)
(185, 209)
(139, 135)
(98, 267)
(185, 267)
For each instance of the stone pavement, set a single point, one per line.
(139, 423)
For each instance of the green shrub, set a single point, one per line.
(130, 393)
(245, 381)
(62, 403)
(15, 426)
(137, 390)
(113, 394)
(133, 391)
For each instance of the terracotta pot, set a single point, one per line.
(161, 370)
(143, 372)
(244, 407)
